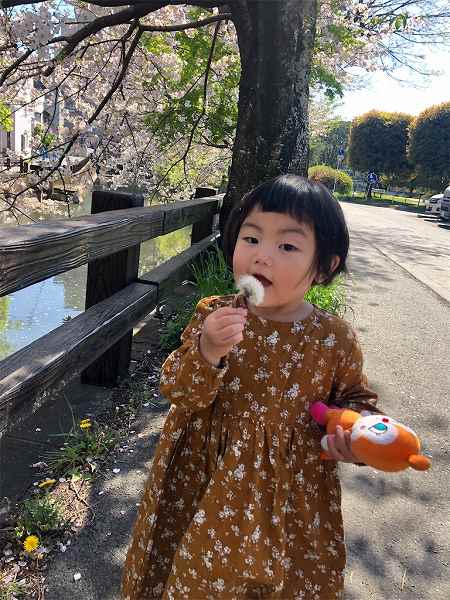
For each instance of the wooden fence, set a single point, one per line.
(97, 343)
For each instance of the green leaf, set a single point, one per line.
(325, 80)
(184, 103)
(156, 44)
(400, 21)
(6, 121)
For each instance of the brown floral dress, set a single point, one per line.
(238, 503)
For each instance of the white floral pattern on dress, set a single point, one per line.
(238, 501)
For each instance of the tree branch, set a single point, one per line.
(15, 65)
(119, 18)
(199, 118)
(150, 4)
(98, 110)
(183, 26)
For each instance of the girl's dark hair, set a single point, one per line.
(306, 201)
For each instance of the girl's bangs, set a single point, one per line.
(288, 202)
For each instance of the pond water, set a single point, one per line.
(32, 312)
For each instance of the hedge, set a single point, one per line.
(327, 175)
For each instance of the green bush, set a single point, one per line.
(327, 175)
(378, 141)
(429, 139)
(329, 297)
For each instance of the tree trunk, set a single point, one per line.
(276, 40)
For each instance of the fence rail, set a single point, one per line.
(32, 253)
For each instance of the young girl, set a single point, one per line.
(238, 503)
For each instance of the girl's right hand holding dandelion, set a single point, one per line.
(222, 329)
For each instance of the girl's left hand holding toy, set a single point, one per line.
(339, 446)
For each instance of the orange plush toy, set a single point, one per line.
(376, 440)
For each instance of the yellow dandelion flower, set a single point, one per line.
(31, 543)
(85, 424)
(47, 483)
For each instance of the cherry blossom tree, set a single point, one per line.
(159, 85)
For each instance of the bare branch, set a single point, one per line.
(15, 65)
(402, 62)
(119, 79)
(210, 144)
(183, 26)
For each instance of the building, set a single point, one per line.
(25, 117)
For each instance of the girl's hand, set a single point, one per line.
(222, 329)
(339, 446)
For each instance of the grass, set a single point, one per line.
(12, 590)
(213, 277)
(39, 515)
(79, 449)
(384, 200)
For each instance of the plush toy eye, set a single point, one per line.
(378, 428)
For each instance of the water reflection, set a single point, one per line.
(32, 312)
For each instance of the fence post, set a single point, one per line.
(106, 276)
(203, 228)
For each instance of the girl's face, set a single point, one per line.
(280, 252)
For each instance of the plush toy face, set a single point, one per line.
(379, 429)
(383, 442)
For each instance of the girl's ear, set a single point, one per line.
(334, 265)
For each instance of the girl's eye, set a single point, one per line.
(288, 247)
(250, 240)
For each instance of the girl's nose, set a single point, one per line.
(263, 258)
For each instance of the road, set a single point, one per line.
(417, 242)
(397, 525)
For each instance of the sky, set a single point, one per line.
(381, 92)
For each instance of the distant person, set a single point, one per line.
(372, 181)
(238, 503)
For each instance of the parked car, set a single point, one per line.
(445, 205)
(433, 204)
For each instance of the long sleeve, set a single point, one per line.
(187, 379)
(350, 389)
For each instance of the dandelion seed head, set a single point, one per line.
(251, 288)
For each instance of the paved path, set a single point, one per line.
(419, 243)
(397, 526)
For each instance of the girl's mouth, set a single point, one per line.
(265, 282)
